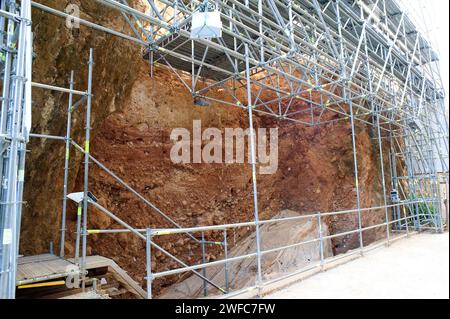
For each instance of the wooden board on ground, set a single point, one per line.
(93, 262)
(38, 268)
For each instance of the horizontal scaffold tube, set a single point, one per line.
(165, 232)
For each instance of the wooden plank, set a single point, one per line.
(42, 267)
(120, 274)
(36, 258)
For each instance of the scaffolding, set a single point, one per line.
(15, 125)
(363, 61)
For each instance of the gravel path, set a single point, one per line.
(415, 267)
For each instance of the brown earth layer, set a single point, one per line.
(315, 174)
(133, 116)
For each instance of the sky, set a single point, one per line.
(432, 17)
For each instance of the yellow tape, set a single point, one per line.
(93, 231)
(162, 233)
(67, 153)
(79, 211)
(86, 147)
(43, 284)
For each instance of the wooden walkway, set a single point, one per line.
(40, 268)
(32, 269)
(121, 275)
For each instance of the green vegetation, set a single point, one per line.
(425, 210)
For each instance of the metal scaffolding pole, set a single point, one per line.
(351, 60)
(205, 285)
(148, 254)
(345, 92)
(225, 255)
(383, 179)
(14, 130)
(252, 146)
(86, 169)
(66, 168)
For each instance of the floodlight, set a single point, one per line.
(78, 197)
(201, 102)
(206, 23)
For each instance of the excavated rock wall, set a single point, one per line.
(133, 116)
(315, 174)
(58, 50)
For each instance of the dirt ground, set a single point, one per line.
(413, 268)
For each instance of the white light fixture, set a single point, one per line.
(206, 23)
(394, 196)
(78, 197)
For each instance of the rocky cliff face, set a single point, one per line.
(133, 116)
(59, 50)
(315, 174)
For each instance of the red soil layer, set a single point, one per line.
(315, 174)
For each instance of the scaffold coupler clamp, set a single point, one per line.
(175, 28)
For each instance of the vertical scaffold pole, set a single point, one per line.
(86, 167)
(355, 163)
(193, 66)
(380, 145)
(151, 55)
(225, 249)
(253, 161)
(346, 87)
(383, 180)
(205, 284)
(148, 254)
(150, 60)
(66, 168)
(405, 214)
(321, 244)
(78, 235)
(260, 24)
(394, 179)
(15, 57)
